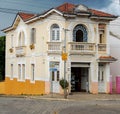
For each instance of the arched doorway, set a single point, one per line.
(80, 34)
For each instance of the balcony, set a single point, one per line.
(82, 48)
(20, 51)
(54, 47)
(102, 47)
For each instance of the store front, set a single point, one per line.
(79, 77)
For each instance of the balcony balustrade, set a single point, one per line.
(20, 51)
(76, 47)
(54, 47)
(102, 47)
(82, 47)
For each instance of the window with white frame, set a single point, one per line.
(11, 71)
(32, 72)
(21, 72)
(55, 32)
(21, 40)
(12, 40)
(33, 36)
(55, 74)
(101, 72)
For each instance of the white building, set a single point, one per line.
(34, 44)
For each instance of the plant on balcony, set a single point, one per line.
(32, 46)
(11, 50)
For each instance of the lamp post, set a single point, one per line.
(64, 57)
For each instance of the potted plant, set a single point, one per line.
(64, 85)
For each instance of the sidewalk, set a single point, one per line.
(79, 97)
(73, 97)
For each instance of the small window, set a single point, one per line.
(21, 41)
(19, 71)
(23, 71)
(33, 35)
(32, 72)
(55, 32)
(12, 40)
(11, 71)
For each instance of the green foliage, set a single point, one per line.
(2, 58)
(64, 83)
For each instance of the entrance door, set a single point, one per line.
(101, 84)
(54, 77)
(79, 79)
(55, 88)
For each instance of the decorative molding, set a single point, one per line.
(11, 50)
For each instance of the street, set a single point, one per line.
(12, 105)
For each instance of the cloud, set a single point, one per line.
(113, 7)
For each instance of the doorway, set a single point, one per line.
(79, 36)
(79, 79)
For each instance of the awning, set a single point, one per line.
(106, 59)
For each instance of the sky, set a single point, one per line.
(37, 6)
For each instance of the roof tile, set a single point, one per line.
(26, 16)
(68, 8)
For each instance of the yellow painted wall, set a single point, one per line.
(2, 87)
(15, 87)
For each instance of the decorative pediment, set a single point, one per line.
(81, 8)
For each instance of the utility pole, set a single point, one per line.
(64, 57)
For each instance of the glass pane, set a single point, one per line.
(57, 75)
(53, 76)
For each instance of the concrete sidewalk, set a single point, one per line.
(73, 97)
(79, 97)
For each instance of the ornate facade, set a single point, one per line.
(35, 65)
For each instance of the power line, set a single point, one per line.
(13, 11)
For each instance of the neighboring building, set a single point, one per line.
(114, 41)
(34, 44)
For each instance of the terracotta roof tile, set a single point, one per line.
(100, 13)
(109, 58)
(26, 16)
(68, 8)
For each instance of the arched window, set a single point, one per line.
(80, 34)
(21, 41)
(55, 32)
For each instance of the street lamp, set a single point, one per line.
(64, 54)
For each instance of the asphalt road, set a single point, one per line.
(9, 105)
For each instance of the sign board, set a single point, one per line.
(53, 69)
(64, 56)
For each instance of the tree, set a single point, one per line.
(2, 58)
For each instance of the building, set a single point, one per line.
(114, 41)
(35, 43)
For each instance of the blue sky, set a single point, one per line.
(37, 6)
